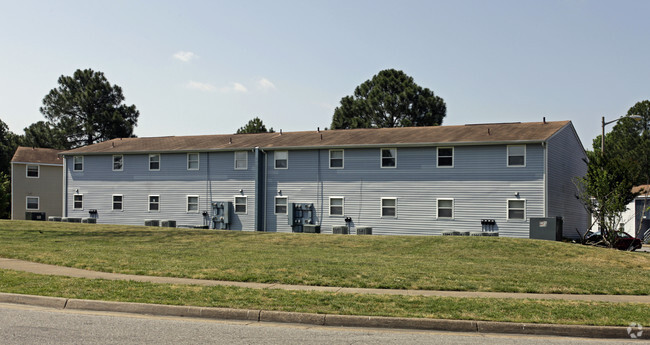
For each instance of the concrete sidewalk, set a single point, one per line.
(32, 267)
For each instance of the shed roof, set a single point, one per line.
(492, 133)
(37, 156)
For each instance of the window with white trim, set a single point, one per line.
(193, 161)
(281, 159)
(118, 162)
(516, 155)
(32, 202)
(193, 204)
(154, 161)
(154, 203)
(32, 171)
(240, 204)
(389, 158)
(241, 160)
(118, 201)
(445, 208)
(336, 159)
(337, 206)
(281, 203)
(78, 163)
(389, 207)
(445, 157)
(78, 202)
(517, 209)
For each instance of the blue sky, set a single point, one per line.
(207, 67)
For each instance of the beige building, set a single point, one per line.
(36, 183)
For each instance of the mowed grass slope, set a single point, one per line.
(401, 262)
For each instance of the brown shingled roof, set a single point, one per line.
(642, 189)
(467, 134)
(37, 155)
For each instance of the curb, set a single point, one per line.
(324, 319)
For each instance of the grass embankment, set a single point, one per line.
(489, 309)
(400, 262)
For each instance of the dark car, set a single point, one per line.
(622, 241)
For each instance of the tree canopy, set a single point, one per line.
(390, 99)
(8, 144)
(42, 134)
(255, 125)
(88, 109)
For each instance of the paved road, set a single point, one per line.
(20, 324)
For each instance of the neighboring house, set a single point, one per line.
(36, 183)
(413, 180)
(636, 219)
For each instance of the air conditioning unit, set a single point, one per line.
(340, 230)
(89, 220)
(311, 229)
(168, 223)
(35, 216)
(54, 219)
(73, 220)
(364, 230)
(152, 222)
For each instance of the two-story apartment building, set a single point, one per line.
(415, 180)
(36, 183)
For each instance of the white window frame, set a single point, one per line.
(453, 211)
(342, 206)
(508, 157)
(381, 157)
(452, 157)
(245, 204)
(38, 170)
(286, 205)
(342, 158)
(149, 203)
(240, 159)
(74, 202)
(121, 202)
(381, 208)
(74, 163)
(508, 210)
(121, 162)
(189, 160)
(38, 203)
(276, 159)
(159, 159)
(187, 204)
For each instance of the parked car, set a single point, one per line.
(622, 240)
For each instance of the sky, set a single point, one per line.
(207, 67)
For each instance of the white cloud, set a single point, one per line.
(234, 87)
(185, 56)
(195, 85)
(265, 84)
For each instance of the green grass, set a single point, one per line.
(401, 262)
(489, 309)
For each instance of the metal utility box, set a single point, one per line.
(152, 222)
(35, 216)
(300, 214)
(311, 229)
(221, 211)
(546, 228)
(364, 230)
(340, 230)
(167, 223)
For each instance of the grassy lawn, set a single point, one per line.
(489, 309)
(402, 262)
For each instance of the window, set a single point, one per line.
(154, 161)
(336, 159)
(445, 208)
(517, 209)
(154, 202)
(336, 206)
(516, 155)
(281, 159)
(389, 207)
(240, 204)
(281, 203)
(118, 162)
(388, 158)
(32, 203)
(78, 163)
(193, 203)
(446, 157)
(32, 171)
(192, 161)
(117, 202)
(241, 160)
(78, 202)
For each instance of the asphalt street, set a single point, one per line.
(21, 324)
